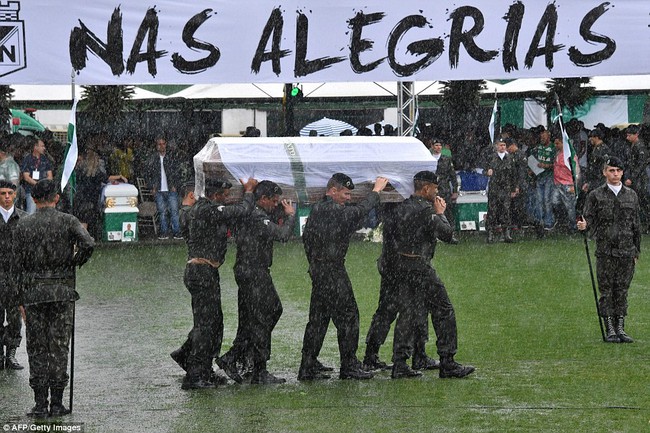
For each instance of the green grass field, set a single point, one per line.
(526, 319)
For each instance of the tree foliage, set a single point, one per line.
(6, 92)
(571, 92)
(105, 104)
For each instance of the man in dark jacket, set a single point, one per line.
(164, 179)
(611, 214)
(10, 334)
(49, 246)
(421, 221)
(259, 304)
(635, 175)
(448, 188)
(501, 170)
(207, 244)
(389, 301)
(326, 239)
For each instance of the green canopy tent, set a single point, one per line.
(24, 123)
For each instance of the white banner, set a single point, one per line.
(609, 110)
(256, 41)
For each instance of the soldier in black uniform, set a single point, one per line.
(612, 215)
(501, 170)
(635, 175)
(260, 304)
(448, 188)
(388, 305)
(187, 190)
(326, 238)
(421, 222)
(207, 244)
(10, 334)
(518, 214)
(598, 153)
(46, 260)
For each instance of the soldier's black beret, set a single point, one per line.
(4, 184)
(596, 133)
(43, 189)
(632, 129)
(218, 184)
(426, 176)
(613, 161)
(266, 188)
(343, 180)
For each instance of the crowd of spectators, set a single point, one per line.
(544, 198)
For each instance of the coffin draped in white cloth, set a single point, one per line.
(303, 165)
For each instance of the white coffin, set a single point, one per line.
(303, 165)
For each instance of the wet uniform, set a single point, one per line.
(207, 244)
(503, 182)
(259, 304)
(448, 185)
(421, 290)
(326, 239)
(45, 257)
(614, 224)
(9, 334)
(636, 172)
(388, 305)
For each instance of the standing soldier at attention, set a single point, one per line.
(260, 306)
(49, 246)
(503, 187)
(326, 239)
(420, 222)
(443, 167)
(10, 334)
(207, 244)
(611, 214)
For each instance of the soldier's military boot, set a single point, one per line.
(450, 368)
(56, 403)
(10, 360)
(620, 330)
(40, 408)
(401, 370)
(610, 329)
(507, 237)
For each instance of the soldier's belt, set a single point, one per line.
(203, 261)
(54, 280)
(410, 255)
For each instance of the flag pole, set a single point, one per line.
(493, 120)
(584, 233)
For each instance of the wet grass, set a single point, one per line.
(526, 319)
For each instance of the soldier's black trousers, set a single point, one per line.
(422, 292)
(614, 277)
(48, 330)
(386, 312)
(331, 298)
(259, 311)
(202, 281)
(10, 333)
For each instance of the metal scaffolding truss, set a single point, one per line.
(407, 107)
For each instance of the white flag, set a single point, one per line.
(72, 151)
(493, 120)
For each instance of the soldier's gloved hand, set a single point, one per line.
(82, 256)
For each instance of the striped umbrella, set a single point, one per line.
(327, 127)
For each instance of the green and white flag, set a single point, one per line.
(71, 151)
(493, 120)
